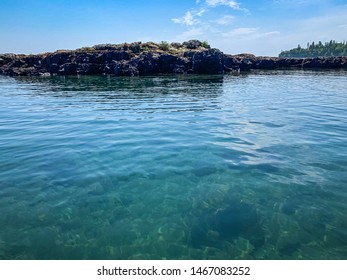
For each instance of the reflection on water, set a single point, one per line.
(174, 167)
(136, 85)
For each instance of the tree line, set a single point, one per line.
(319, 49)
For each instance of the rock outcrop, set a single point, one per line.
(192, 57)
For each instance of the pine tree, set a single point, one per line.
(328, 49)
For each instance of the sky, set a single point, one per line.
(259, 27)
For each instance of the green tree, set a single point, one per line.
(328, 49)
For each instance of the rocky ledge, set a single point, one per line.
(192, 57)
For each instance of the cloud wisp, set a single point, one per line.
(242, 31)
(232, 4)
(195, 19)
(249, 32)
(225, 20)
(190, 17)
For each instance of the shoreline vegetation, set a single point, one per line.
(328, 49)
(137, 59)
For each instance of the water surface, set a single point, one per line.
(174, 167)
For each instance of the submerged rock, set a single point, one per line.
(238, 220)
(235, 220)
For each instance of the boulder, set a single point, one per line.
(148, 63)
(176, 45)
(68, 69)
(124, 68)
(231, 63)
(172, 64)
(192, 44)
(89, 69)
(135, 47)
(20, 71)
(208, 62)
(265, 63)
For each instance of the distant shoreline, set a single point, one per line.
(138, 59)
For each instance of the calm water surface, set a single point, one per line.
(174, 167)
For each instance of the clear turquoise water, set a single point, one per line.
(174, 167)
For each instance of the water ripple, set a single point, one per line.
(178, 167)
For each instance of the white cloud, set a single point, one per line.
(189, 18)
(343, 26)
(231, 4)
(225, 20)
(250, 33)
(267, 34)
(190, 34)
(297, 2)
(201, 12)
(193, 32)
(240, 32)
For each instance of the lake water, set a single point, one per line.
(251, 166)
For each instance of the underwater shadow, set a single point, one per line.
(237, 220)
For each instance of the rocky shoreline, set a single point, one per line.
(192, 57)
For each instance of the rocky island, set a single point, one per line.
(191, 57)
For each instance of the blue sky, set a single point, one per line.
(259, 27)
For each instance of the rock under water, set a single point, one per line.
(238, 220)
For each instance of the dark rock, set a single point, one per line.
(291, 63)
(125, 69)
(265, 63)
(148, 63)
(208, 62)
(289, 249)
(189, 54)
(172, 64)
(89, 69)
(68, 69)
(176, 45)
(246, 55)
(238, 219)
(105, 47)
(4, 60)
(58, 58)
(53, 68)
(198, 236)
(329, 63)
(204, 171)
(90, 58)
(108, 68)
(135, 47)
(246, 64)
(231, 63)
(192, 57)
(288, 208)
(116, 56)
(20, 71)
(192, 44)
(18, 63)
